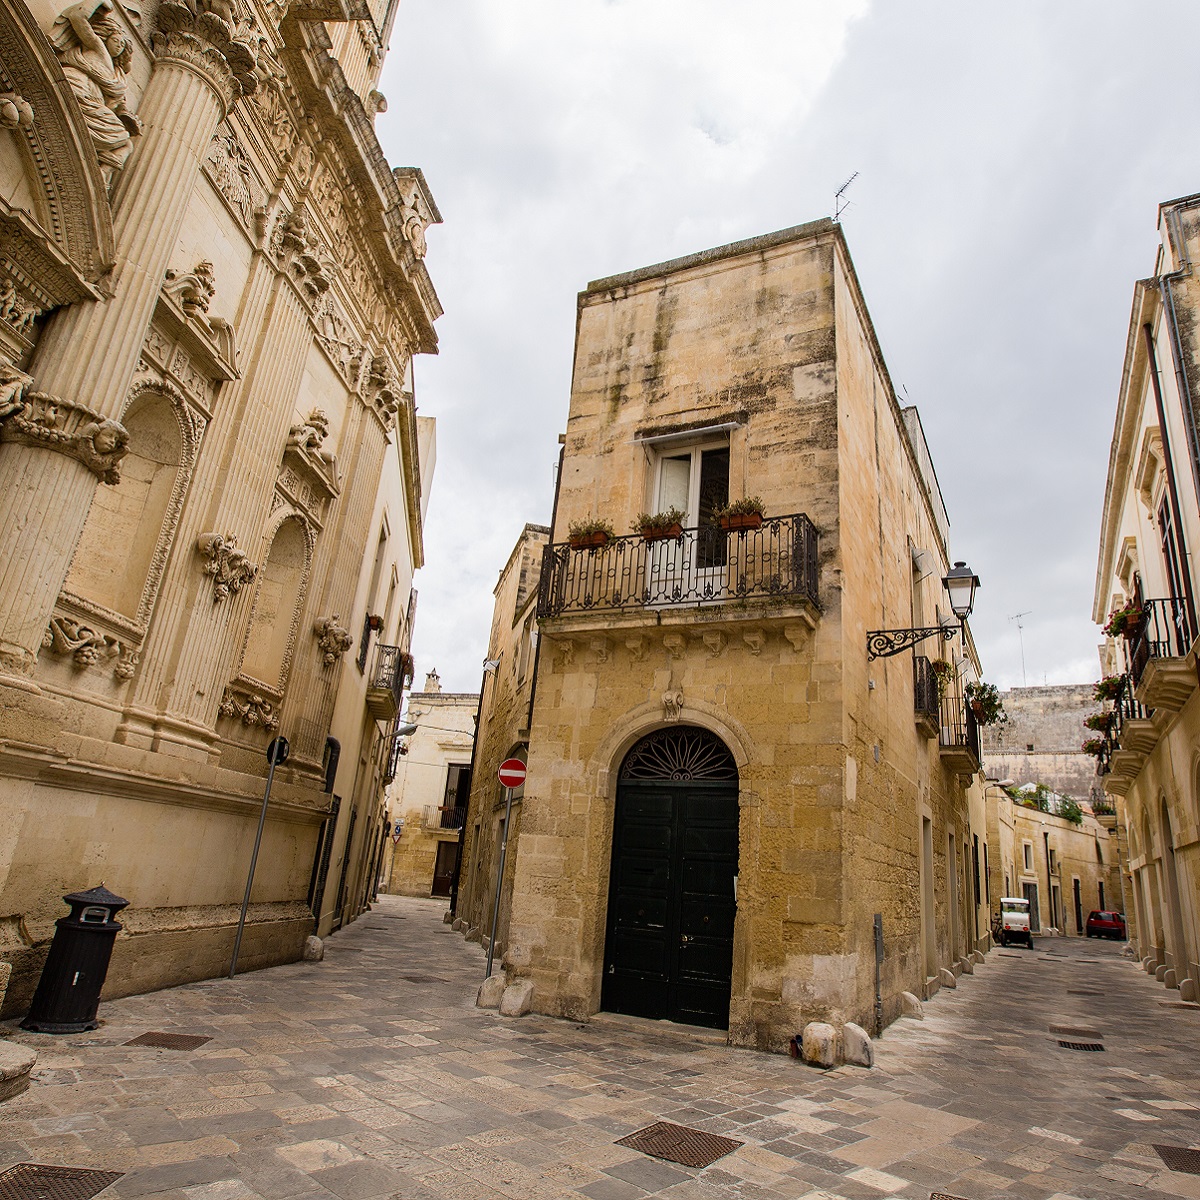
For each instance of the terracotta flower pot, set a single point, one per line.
(656, 533)
(749, 520)
(587, 541)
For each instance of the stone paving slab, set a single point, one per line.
(372, 1075)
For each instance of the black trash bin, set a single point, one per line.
(68, 993)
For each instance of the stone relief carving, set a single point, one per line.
(228, 166)
(230, 568)
(39, 419)
(332, 639)
(17, 310)
(249, 708)
(89, 647)
(192, 290)
(15, 111)
(416, 213)
(96, 55)
(217, 37)
(13, 383)
(601, 647)
(672, 702)
(310, 434)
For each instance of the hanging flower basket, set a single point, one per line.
(1109, 688)
(1126, 621)
(1094, 747)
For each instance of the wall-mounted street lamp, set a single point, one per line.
(960, 582)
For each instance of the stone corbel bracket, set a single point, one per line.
(333, 640)
(88, 647)
(229, 566)
(70, 429)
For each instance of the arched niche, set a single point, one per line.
(278, 597)
(121, 554)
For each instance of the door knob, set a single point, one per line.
(684, 939)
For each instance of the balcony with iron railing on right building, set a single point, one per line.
(1161, 650)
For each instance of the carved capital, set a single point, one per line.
(213, 38)
(229, 566)
(39, 419)
(249, 708)
(332, 639)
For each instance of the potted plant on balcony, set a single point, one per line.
(985, 703)
(1128, 620)
(584, 535)
(746, 513)
(654, 527)
(1109, 688)
(943, 674)
(1094, 747)
(1101, 722)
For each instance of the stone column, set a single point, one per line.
(68, 436)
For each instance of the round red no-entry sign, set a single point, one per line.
(512, 772)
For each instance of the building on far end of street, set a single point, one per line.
(508, 692)
(1146, 584)
(1065, 869)
(427, 800)
(739, 751)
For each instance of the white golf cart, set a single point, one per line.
(1012, 925)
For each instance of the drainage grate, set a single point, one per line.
(32, 1181)
(943, 1196)
(678, 1143)
(1080, 1045)
(1176, 1158)
(167, 1041)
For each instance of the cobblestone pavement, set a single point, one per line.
(373, 1075)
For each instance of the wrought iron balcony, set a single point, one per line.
(707, 565)
(441, 817)
(392, 673)
(958, 737)
(1157, 650)
(925, 696)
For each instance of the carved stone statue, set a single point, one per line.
(311, 434)
(12, 389)
(96, 55)
(332, 639)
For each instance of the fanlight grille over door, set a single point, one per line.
(680, 754)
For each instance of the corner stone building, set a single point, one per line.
(723, 789)
(211, 289)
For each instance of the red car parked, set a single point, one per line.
(1106, 924)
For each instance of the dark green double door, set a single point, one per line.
(669, 946)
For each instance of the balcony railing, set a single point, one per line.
(391, 674)
(925, 689)
(1167, 632)
(958, 737)
(439, 817)
(701, 566)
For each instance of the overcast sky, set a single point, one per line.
(1010, 156)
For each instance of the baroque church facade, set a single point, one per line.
(212, 475)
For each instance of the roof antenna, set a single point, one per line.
(840, 203)
(1021, 637)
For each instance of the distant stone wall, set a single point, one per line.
(1040, 742)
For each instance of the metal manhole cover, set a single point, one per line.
(167, 1041)
(1176, 1158)
(1080, 1045)
(678, 1143)
(32, 1181)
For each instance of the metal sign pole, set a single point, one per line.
(499, 879)
(878, 971)
(277, 752)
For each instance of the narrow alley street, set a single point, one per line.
(372, 1074)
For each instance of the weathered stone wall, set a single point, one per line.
(1040, 742)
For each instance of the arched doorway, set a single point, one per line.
(672, 890)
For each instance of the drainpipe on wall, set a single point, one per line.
(1049, 879)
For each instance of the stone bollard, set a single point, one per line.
(491, 990)
(948, 978)
(819, 1044)
(856, 1046)
(966, 966)
(517, 999)
(911, 1006)
(977, 958)
(314, 949)
(16, 1062)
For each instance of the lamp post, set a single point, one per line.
(960, 582)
